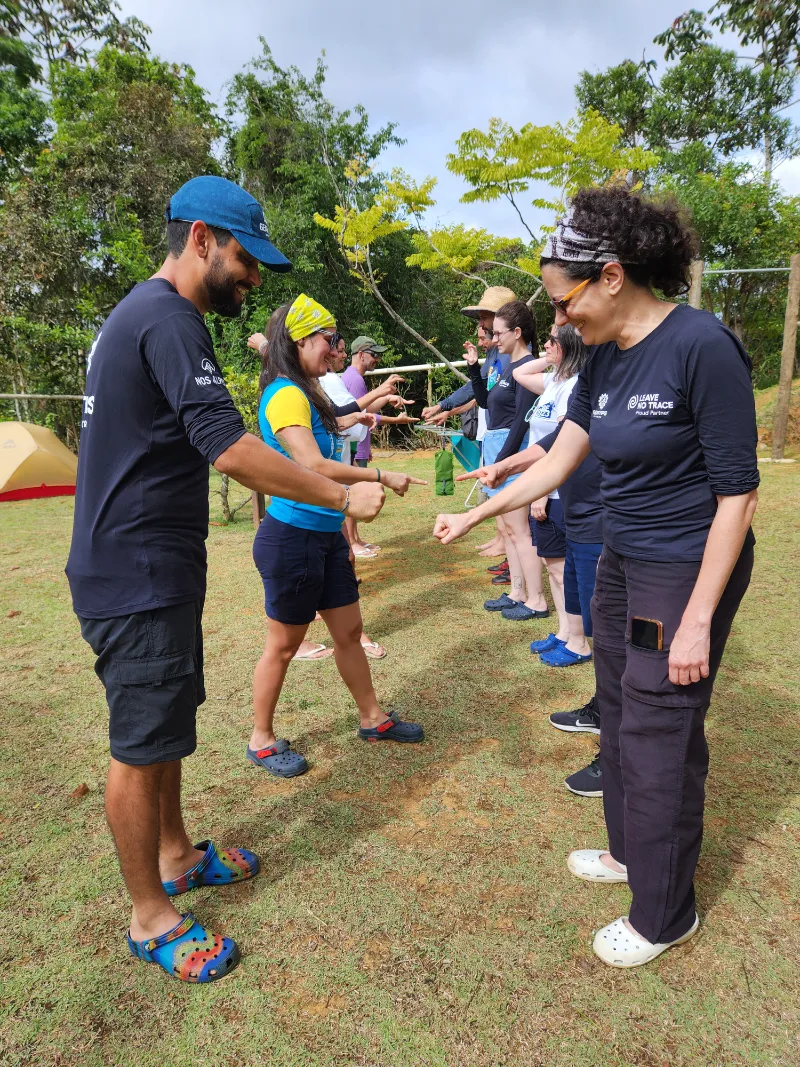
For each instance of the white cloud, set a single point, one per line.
(436, 67)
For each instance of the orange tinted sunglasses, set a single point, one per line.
(561, 305)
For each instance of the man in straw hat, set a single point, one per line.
(490, 302)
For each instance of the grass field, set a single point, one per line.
(415, 907)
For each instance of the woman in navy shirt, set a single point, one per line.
(667, 402)
(507, 405)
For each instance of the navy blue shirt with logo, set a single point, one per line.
(156, 414)
(672, 420)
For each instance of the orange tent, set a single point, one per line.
(33, 463)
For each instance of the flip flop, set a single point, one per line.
(279, 759)
(373, 650)
(317, 652)
(374, 548)
(217, 867)
(189, 952)
(364, 553)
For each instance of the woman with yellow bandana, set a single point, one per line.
(300, 550)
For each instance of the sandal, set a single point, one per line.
(585, 863)
(521, 613)
(562, 657)
(317, 652)
(364, 553)
(189, 952)
(373, 650)
(217, 867)
(394, 729)
(546, 644)
(618, 947)
(279, 759)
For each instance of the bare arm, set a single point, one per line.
(253, 464)
(496, 473)
(299, 442)
(689, 651)
(569, 451)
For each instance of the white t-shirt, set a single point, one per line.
(549, 409)
(339, 394)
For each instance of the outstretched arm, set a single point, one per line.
(569, 451)
(253, 464)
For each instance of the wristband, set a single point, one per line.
(379, 473)
(346, 499)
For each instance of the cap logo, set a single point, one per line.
(263, 227)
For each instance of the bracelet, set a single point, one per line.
(346, 499)
(379, 473)
(262, 348)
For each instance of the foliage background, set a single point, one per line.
(96, 132)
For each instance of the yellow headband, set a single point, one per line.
(307, 316)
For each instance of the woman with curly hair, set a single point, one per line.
(666, 401)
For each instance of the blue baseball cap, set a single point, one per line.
(218, 202)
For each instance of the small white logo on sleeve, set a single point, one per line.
(600, 411)
(211, 375)
(603, 400)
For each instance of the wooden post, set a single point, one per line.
(259, 508)
(788, 354)
(430, 388)
(696, 288)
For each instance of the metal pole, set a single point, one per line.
(788, 354)
(696, 288)
(430, 388)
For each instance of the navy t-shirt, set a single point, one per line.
(580, 497)
(672, 420)
(156, 413)
(507, 404)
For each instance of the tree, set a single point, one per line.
(67, 29)
(502, 163)
(750, 97)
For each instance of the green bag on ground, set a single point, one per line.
(443, 468)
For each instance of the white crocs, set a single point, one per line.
(618, 947)
(586, 863)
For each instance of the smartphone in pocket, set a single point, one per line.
(647, 634)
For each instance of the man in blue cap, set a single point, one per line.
(156, 414)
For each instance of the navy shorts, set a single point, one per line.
(580, 573)
(303, 571)
(550, 534)
(151, 665)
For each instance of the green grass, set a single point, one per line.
(415, 907)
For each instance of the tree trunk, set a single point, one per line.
(259, 508)
(223, 492)
(767, 157)
(696, 288)
(788, 354)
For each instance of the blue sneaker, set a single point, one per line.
(546, 644)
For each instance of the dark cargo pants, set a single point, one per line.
(652, 746)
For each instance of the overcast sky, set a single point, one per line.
(435, 67)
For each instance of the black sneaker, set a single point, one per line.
(585, 720)
(503, 601)
(497, 568)
(503, 578)
(587, 782)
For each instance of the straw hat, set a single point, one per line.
(492, 300)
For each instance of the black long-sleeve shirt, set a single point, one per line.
(672, 420)
(507, 405)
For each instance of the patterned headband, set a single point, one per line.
(568, 244)
(306, 316)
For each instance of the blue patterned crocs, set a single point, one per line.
(217, 867)
(189, 952)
